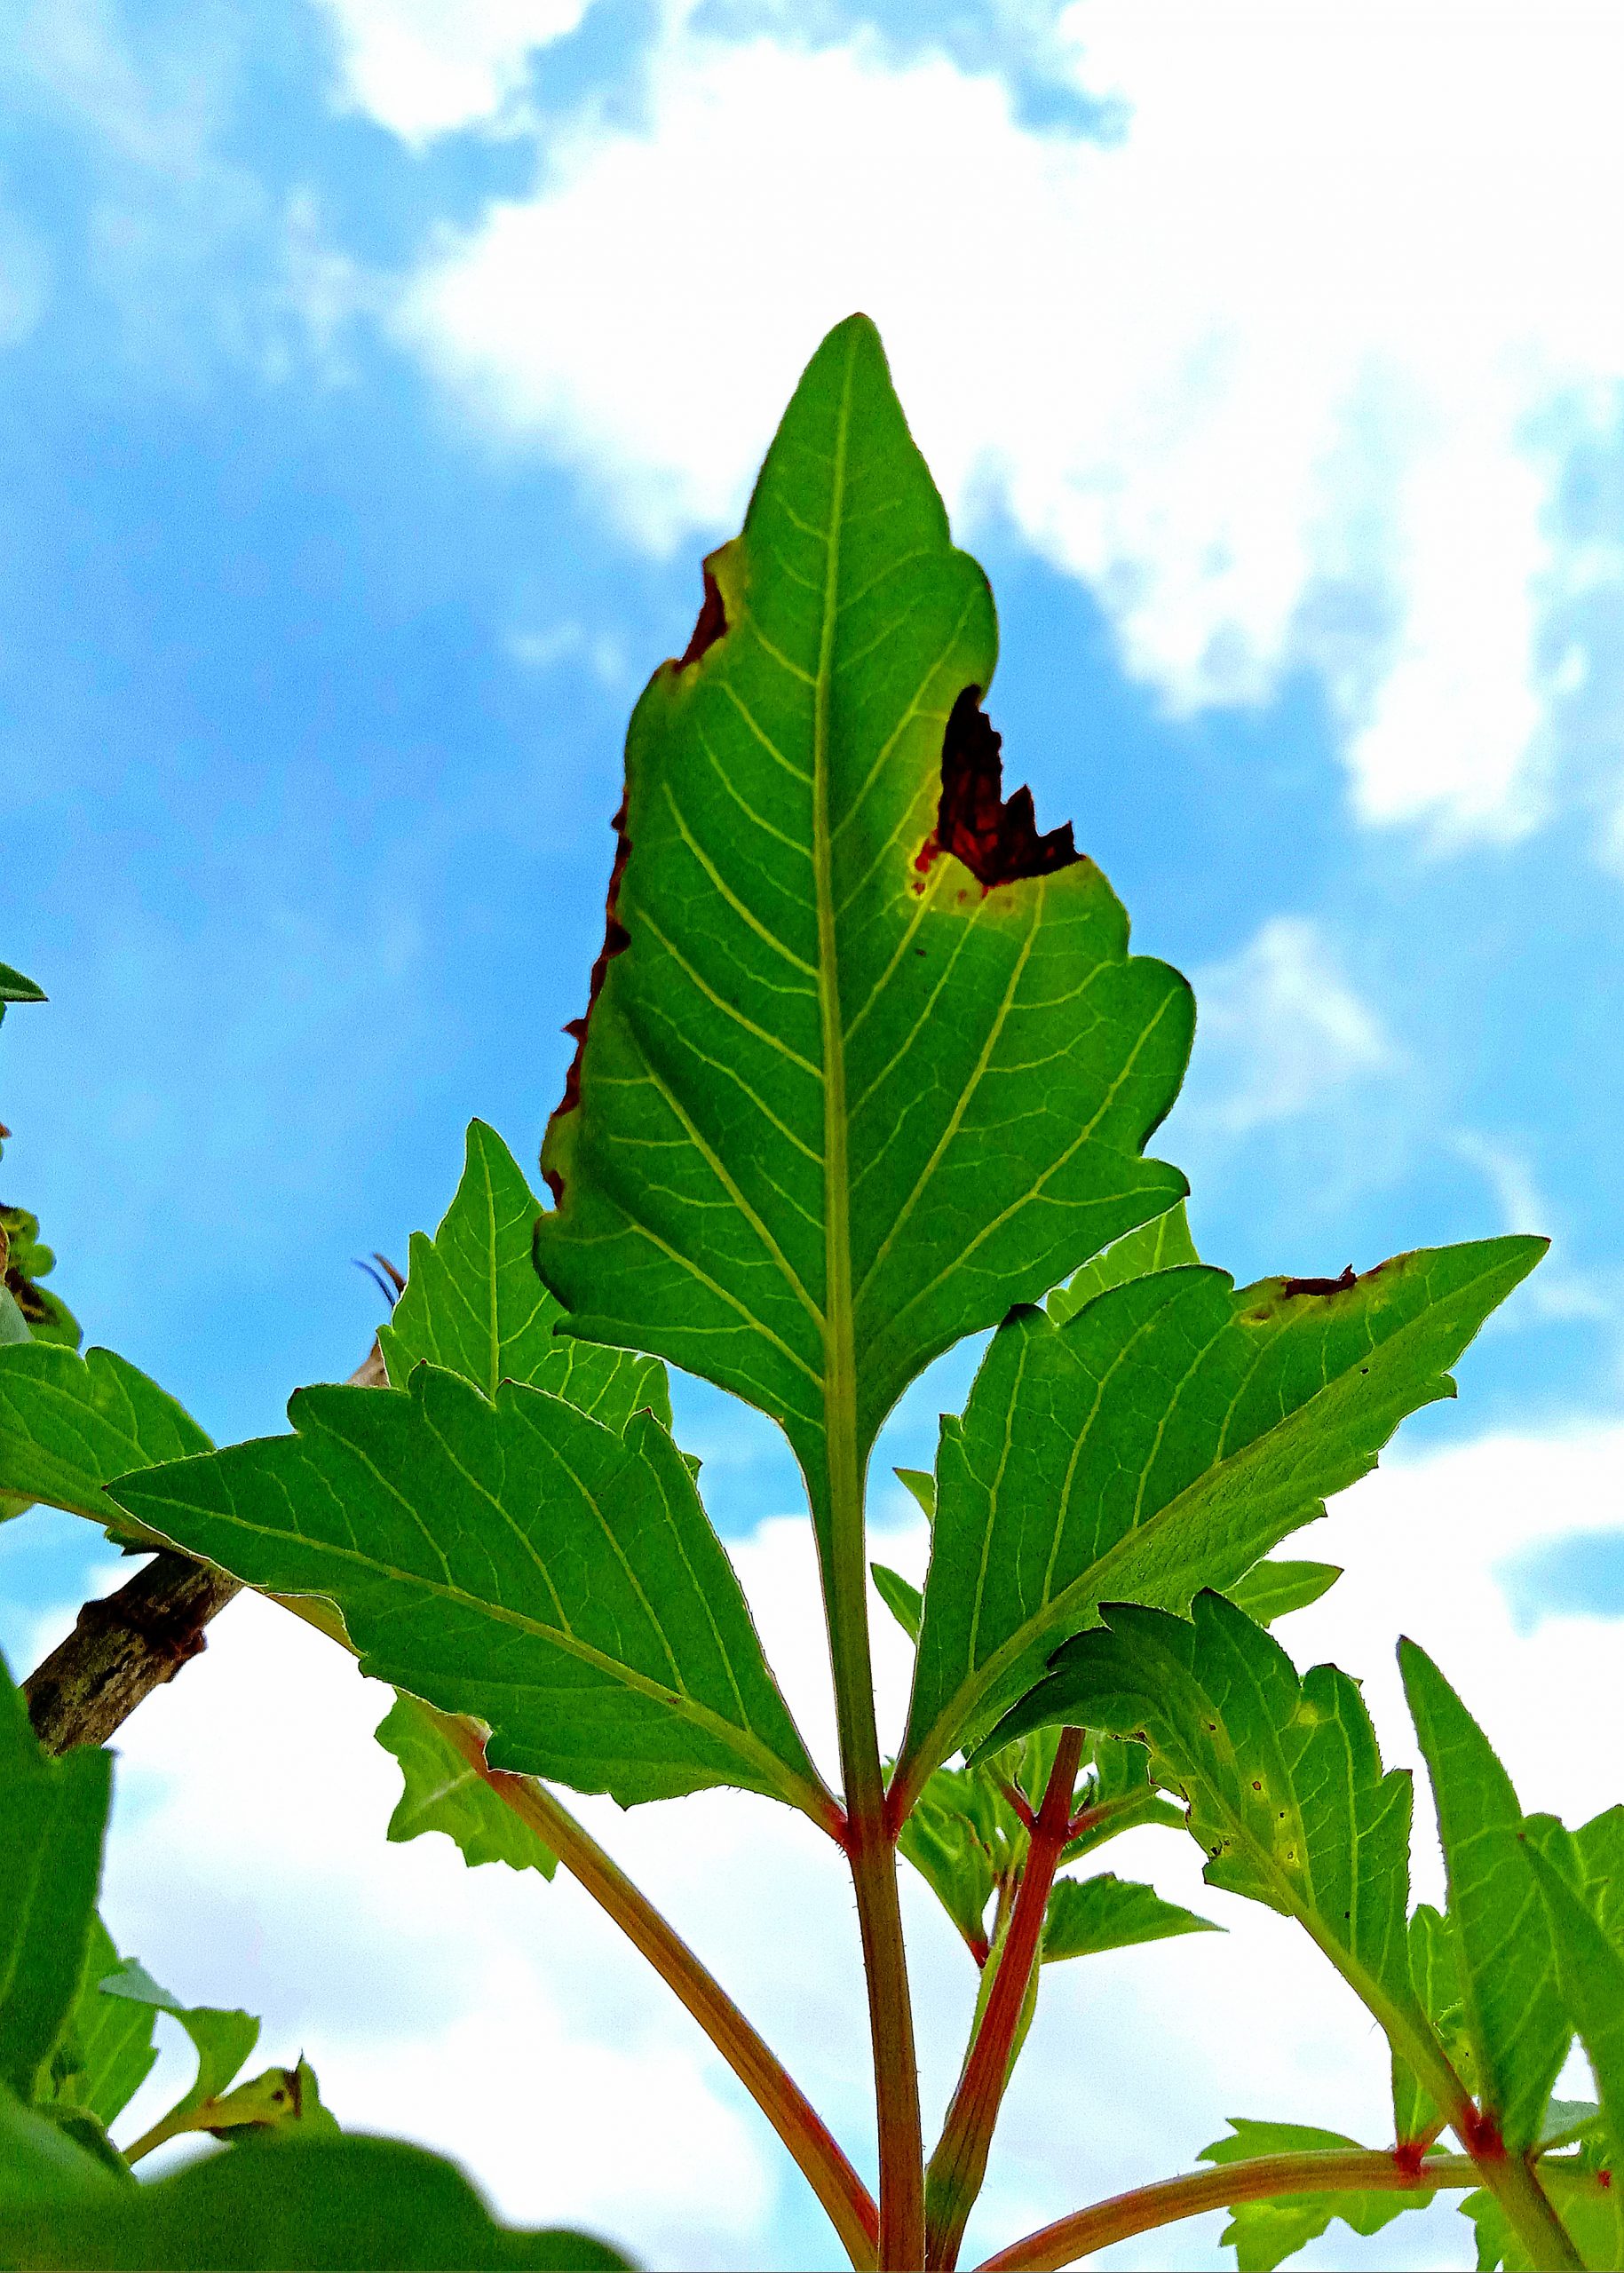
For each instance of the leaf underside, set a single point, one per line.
(867, 1060)
(69, 1425)
(1264, 2235)
(442, 1793)
(1086, 1917)
(1160, 1441)
(514, 1560)
(1286, 1794)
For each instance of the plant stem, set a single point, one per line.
(817, 2153)
(838, 1519)
(1259, 2179)
(959, 2164)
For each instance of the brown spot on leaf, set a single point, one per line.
(616, 940)
(711, 624)
(1350, 1278)
(998, 841)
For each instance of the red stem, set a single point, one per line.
(959, 2165)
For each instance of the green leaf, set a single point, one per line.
(1118, 1793)
(1106, 1912)
(442, 1793)
(1163, 1244)
(904, 1601)
(1264, 2235)
(1515, 2019)
(15, 988)
(281, 2100)
(514, 1560)
(106, 2051)
(1271, 1590)
(52, 1815)
(26, 1261)
(962, 1839)
(1174, 1430)
(1285, 1784)
(291, 2204)
(1435, 1977)
(845, 1095)
(473, 1303)
(69, 1425)
(1590, 1972)
(222, 2038)
(922, 1484)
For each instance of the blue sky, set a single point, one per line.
(372, 378)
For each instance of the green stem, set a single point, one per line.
(870, 1844)
(959, 2164)
(1259, 2179)
(817, 2153)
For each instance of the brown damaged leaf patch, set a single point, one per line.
(1350, 1278)
(616, 940)
(998, 841)
(707, 629)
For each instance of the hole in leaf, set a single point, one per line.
(998, 840)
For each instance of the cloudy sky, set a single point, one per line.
(373, 374)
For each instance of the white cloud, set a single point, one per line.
(425, 67)
(504, 2020)
(1288, 374)
(1280, 1030)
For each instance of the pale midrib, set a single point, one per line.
(840, 1361)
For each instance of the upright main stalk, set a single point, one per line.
(841, 1530)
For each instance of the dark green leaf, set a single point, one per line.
(52, 1814)
(288, 2204)
(513, 1560)
(473, 1303)
(27, 1261)
(1590, 1972)
(905, 1602)
(1271, 1590)
(1106, 1912)
(843, 1097)
(1163, 1244)
(1264, 2235)
(15, 988)
(1171, 1434)
(1514, 2015)
(442, 1793)
(106, 2050)
(69, 1425)
(1285, 1784)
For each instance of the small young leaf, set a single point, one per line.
(1264, 2235)
(865, 1059)
(1270, 1589)
(473, 1303)
(69, 1425)
(1106, 1912)
(222, 2038)
(442, 1793)
(1118, 1793)
(54, 1813)
(282, 2099)
(1285, 1784)
(904, 1601)
(1515, 2018)
(1163, 1244)
(290, 2204)
(962, 1838)
(1171, 1433)
(514, 1560)
(106, 2051)
(27, 1261)
(15, 988)
(1435, 1976)
(1590, 1972)
(922, 1484)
